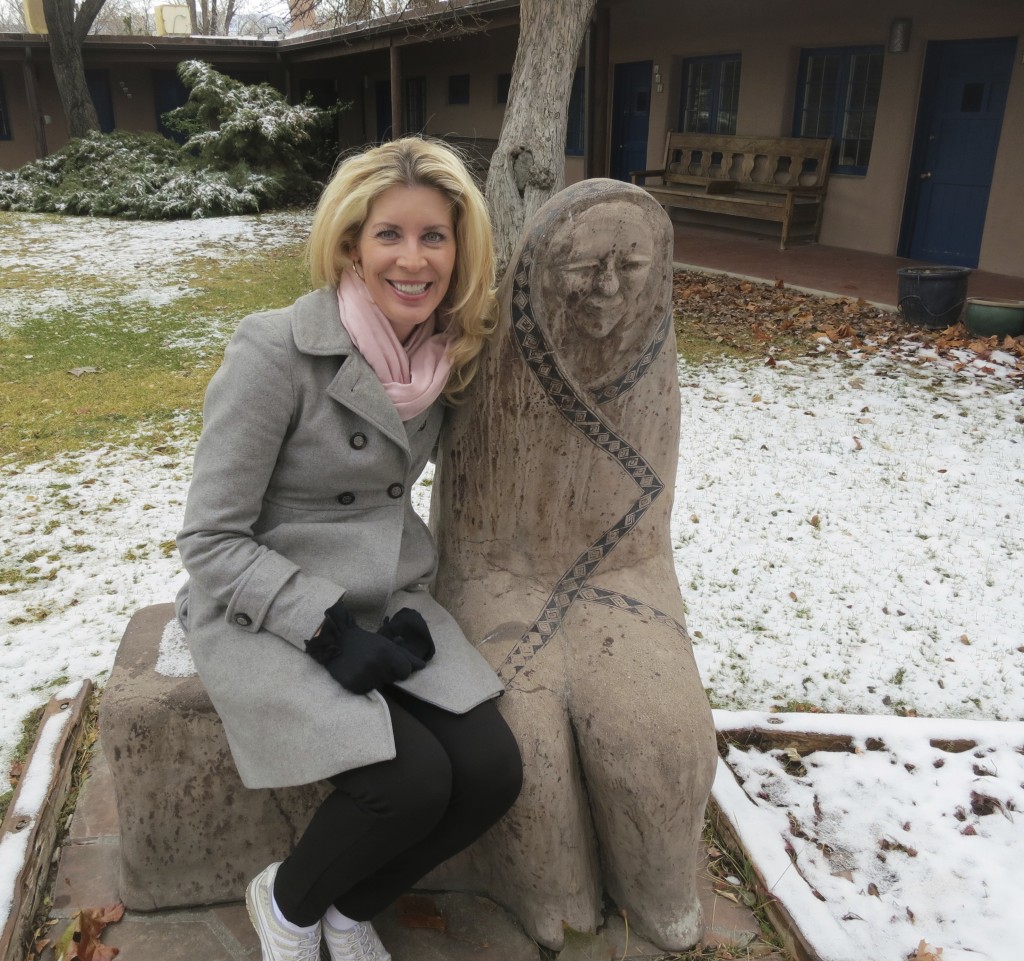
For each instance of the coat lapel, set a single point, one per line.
(317, 329)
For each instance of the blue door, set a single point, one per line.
(631, 116)
(959, 121)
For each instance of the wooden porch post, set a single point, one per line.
(396, 93)
(28, 72)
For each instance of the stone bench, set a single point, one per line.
(191, 832)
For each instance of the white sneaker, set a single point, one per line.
(276, 941)
(358, 943)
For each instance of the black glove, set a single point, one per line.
(357, 659)
(409, 631)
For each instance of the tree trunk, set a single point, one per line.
(528, 165)
(66, 33)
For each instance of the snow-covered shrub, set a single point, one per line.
(138, 176)
(229, 123)
(247, 151)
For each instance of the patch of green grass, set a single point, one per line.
(142, 386)
(697, 347)
(798, 707)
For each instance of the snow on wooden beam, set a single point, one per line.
(30, 828)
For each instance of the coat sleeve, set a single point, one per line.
(247, 414)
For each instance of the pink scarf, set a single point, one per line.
(413, 374)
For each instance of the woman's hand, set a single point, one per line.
(408, 630)
(360, 660)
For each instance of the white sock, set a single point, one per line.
(339, 921)
(288, 925)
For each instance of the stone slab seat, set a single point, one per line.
(191, 833)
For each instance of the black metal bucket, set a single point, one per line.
(932, 296)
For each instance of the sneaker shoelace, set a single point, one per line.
(309, 948)
(356, 943)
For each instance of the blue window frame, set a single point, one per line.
(575, 120)
(5, 124)
(458, 88)
(710, 95)
(837, 96)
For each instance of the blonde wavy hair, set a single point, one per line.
(468, 308)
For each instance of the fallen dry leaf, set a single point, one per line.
(766, 317)
(925, 952)
(86, 929)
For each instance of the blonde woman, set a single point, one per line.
(308, 609)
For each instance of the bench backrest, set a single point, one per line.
(758, 162)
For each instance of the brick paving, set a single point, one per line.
(834, 270)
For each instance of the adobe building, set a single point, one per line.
(924, 99)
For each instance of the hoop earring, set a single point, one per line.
(356, 264)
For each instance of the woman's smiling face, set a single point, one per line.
(406, 254)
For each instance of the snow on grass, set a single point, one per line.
(135, 259)
(86, 541)
(851, 534)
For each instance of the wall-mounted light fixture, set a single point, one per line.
(899, 35)
(657, 78)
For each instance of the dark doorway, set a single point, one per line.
(168, 94)
(382, 91)
(415, 104)
(631, 115)
(98, 82)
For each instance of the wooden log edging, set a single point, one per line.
(30, 828)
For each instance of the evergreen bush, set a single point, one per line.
(247, 150)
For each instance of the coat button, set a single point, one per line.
(346, 498)
(358, 440)
(243, 620)
(396, 491)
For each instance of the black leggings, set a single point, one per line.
(388, 824)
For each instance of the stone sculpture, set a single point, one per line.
(551, 507)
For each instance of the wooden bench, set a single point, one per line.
(782, 179)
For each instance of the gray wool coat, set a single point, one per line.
(300, 496)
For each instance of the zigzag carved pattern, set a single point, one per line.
(636, 372)
(582, 417)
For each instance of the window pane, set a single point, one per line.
(710, 95)
(839, 90)
(819, 95)
(729, 96)
(574, 124)
(458, 88)
(698, 97)
(865, 81)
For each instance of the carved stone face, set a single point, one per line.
(600, 262)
